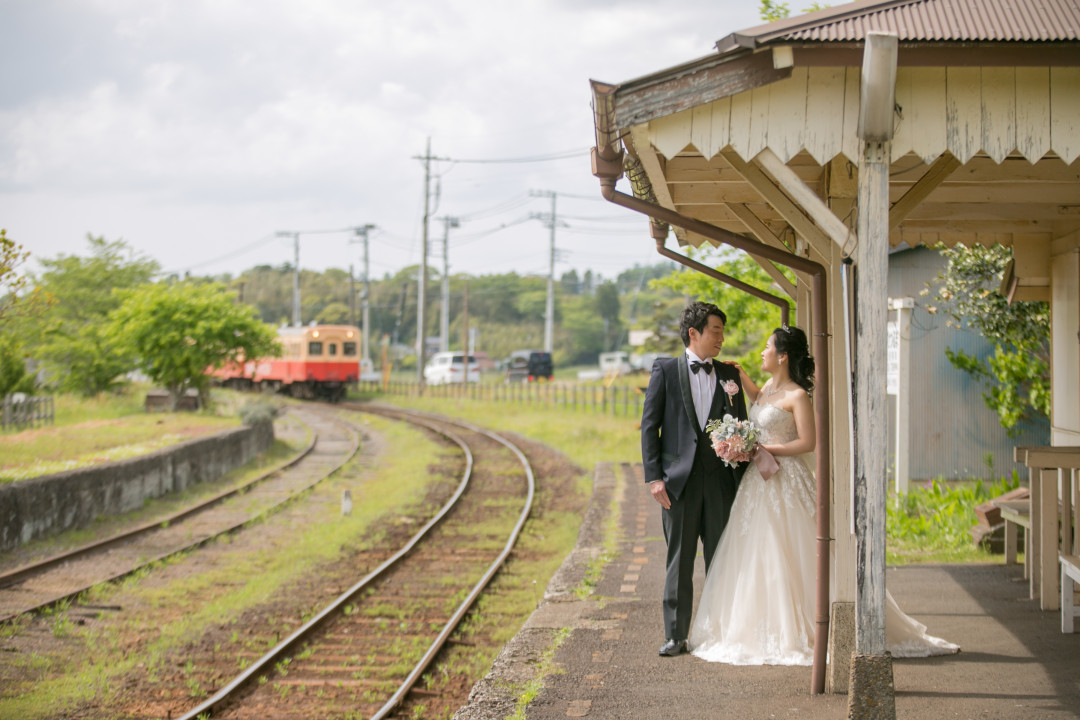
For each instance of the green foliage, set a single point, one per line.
(178, 331)
(70, 338)
(750, 320)
(13, 375)
(936, 519)
(771, 10)
(17, 299)
(1017, 375)
(258, 411)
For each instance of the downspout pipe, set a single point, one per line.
(660, 237)
(608, 167)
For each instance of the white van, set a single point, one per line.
(449, 367)
(615, 363)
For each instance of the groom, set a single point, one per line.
(692, 485)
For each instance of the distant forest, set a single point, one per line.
(506, 312)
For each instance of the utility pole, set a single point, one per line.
(365, 313)
(421, 291)
(549, 309)
(444, 316)
(296, 276)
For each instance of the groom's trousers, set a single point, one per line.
(701, 511)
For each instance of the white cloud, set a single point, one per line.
(191, 129)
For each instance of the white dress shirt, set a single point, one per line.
(702, 387)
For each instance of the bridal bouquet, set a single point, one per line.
(734, 441)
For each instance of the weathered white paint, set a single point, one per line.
(998, 111)
(720, 133)
(1033, 112)
(788, 99)
(1065, 112)
(760, 117)
(824, 96)
(871, 403)
(807, 199)
(962, 110)
(739, 137)
(671, 134)
(927, 118)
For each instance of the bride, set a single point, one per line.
(757, 606)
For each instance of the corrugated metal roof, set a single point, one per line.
(924, 20)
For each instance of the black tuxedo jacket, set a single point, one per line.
(669, 426)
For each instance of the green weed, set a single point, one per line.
(932, 523)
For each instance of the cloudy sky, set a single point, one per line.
(199, 130)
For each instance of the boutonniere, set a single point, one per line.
(731, 388)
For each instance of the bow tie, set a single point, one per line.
(695, 366)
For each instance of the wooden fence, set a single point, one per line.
(616, 400)
(22, 411)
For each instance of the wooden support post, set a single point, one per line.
(1048, 540)
(871, 405)
(871, 694)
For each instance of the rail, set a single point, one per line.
(24, 573)
(336, 607)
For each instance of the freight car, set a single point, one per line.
(317, 362)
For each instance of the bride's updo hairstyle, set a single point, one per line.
(791, 341)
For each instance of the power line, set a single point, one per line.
(228, 256)
(563, 155)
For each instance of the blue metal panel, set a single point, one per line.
(952, 432)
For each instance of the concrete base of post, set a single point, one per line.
(871, 693)
(841, 647)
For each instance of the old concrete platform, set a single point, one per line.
(1014, 663)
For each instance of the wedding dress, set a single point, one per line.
(757, 605)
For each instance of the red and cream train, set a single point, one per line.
(317, 361)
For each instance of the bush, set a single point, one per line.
(258, 411)
(936, 519)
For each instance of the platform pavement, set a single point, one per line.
(1014, 663)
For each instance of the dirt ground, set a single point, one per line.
(45, 647)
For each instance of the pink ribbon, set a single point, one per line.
(766, 463)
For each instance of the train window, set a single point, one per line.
(314, 348)
(333, 348)
(348, 349)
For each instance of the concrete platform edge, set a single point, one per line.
(495, 696)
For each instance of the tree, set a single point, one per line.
(750, 319)
(70, 339)
(178, 331)
(607, 307)
(18, 300)
(13, 375)
(16, 297)
(1017, 375)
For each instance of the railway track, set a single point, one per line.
(363, 654)
(62, 578)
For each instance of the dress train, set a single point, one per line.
(757, 605)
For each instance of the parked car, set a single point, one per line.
(449, 367)
(529, 366)
(615, 363)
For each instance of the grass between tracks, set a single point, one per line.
(162, 614)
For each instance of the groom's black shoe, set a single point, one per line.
(673, 647)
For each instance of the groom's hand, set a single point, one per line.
(658, 488)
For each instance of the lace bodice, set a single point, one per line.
(777, 424)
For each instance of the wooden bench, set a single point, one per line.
(1016, 514)
(1070, 573)
(1053, 514)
